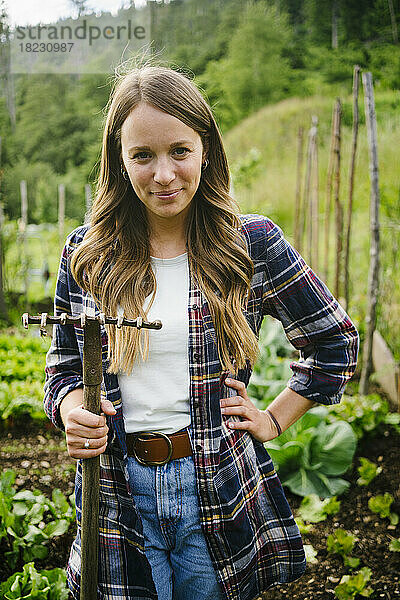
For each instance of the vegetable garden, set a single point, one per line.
(339, 467)
(339, 464)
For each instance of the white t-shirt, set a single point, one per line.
(155, 397)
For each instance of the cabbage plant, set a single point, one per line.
(311, 454)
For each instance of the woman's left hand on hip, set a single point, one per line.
(255, 421)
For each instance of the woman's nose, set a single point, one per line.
(164, 172)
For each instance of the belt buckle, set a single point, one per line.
(153, 434)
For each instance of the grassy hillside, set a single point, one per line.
(271, 190)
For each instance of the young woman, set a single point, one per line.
(166, 241)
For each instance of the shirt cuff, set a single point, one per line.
(55, 410)
(305, 391)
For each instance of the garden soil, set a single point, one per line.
(40, 460)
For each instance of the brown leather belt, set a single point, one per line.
(153, 448)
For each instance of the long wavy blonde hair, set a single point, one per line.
(113, 262)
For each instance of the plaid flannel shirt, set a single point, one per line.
(250, 531)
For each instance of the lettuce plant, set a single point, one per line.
(303, 528)
(314, 510)
(381, 505)
(394, 545)
(342, 542)
(29, 519)
(367, 471)
(31, 584)
(311, 454)
(21, 399)
(22, 357)
(351, 585)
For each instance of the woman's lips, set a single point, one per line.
(165, 195)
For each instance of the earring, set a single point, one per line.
(205, 164)
(124, 173)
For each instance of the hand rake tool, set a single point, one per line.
(92, 377)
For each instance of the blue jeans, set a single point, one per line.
(166, 498)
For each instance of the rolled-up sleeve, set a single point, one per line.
(313, 320)
(63, 362)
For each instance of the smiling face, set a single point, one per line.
(163, 159)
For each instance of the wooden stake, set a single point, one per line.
(373, 275)
(306, 195)
(298, 207)
(23, 226)
(88, 198)
(61, 213)
(356, 78)
(306, 202)
(336, 190)
(328, 200)
(315, 197)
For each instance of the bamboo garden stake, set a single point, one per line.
(92, 377)
(373, 274)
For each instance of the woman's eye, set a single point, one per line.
(180, 151)
(185, 150)
(141, 155)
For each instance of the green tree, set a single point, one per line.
(255, 71)
(54, 123)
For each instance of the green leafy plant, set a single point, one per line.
(22, 357)
(22, 362)
(310, 455)
(303, 527)
(351, 585)
(342, 542)
(367, 471)
(394, 545)
(314, 510)
(28, 520)
(272, 369)
(364, 413)
(19, 399)
(381, 505)
(31, 584)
